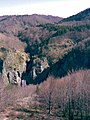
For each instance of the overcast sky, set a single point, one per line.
(62, 8)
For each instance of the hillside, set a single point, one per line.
(54, 99)
(13, 24)
(82, 16)
(44, 67)
(34, 44)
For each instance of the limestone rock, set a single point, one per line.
(39, 66)
(13, 67)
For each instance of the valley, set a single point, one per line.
(45, 67)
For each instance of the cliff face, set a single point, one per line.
(15, 61)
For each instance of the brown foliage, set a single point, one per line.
(69, 95)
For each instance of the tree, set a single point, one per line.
(46, 95)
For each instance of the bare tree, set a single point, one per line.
(47, 95)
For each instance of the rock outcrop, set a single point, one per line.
(13, 67)
(39, 66)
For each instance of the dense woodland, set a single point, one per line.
(67, 98)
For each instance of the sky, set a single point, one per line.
(61, 8)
